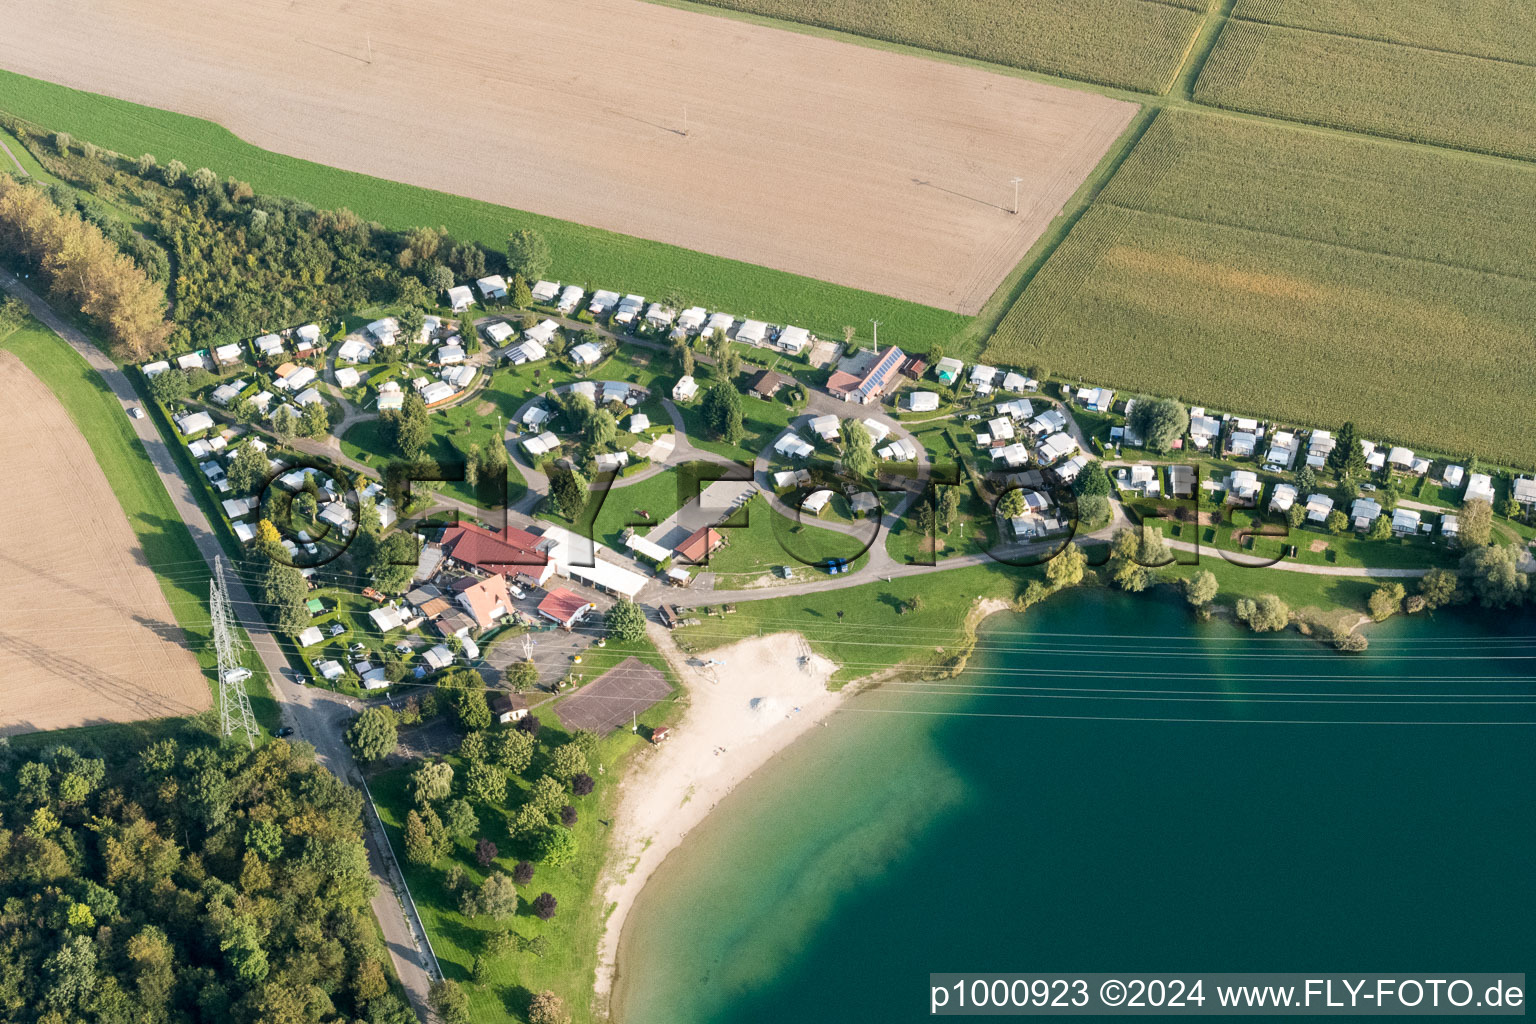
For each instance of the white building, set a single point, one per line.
(493, 287)
(354, 350)
(1283, 497)
(448, 355)
(1318, 507)
(586, 354)
(692, 318)
(546, 292)
(347, 377)
(794, 340)
(923, 401)
(543, 333)
(825, 427)
(1479, 488)
(792, 447)
(752, 332)
(529, 351)
(460, 298)
(685, 389)
(602, 302)
(570, 298)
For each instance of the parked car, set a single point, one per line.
(135, 412)
(285, 731)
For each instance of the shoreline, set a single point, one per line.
(772, 690)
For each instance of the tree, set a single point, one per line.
(1092, 480)
(949, 507)
(548, 1008)
(1337, 522)
(1133, 555)
(486, 783)
(459, 819)
(1306, 481)
(285, 591)
(432, 782)
(1385, 600)
(169, 386)
(569, 490)
(528, 254)
(248, 469)
(1065, 569)
(1160, 422)
(721, 409)
(1200, 588)
(498, 896)
(858, 450)
(373, 735)
(394, 565)
(282, 424)
(1347, 458)
(626, 621)
(512, 750)
(544, 906)
(1296, 515)
(472, 709)
(422, 831)
(1266, 615)
(926, 518)
(567, 761)
(522, 872)
(412, 429)
(315, 420)
(145, 165)
(1093, 511)
(450, 1002)
(601, 429)
(1012, 504)
(547, 794)
(1348, 640)
(1493, 576)
(1438, 587)
(557, 846)
(1381, 528)
(520, 293)
(582, 784)
(485, 852)
(523, 675)
(1476, 523)
(173, 173)
(204, 180)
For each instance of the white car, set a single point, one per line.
(135, 412)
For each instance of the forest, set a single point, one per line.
(177, 880)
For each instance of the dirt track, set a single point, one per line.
(837, 161)
(87, 635)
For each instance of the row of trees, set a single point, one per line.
(84, 269)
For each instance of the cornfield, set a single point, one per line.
(1302, 276)
(1403, 92)
(1478, 28)
(1132, 44)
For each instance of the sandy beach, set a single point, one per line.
(770, 690)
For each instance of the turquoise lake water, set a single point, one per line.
(1143, 822)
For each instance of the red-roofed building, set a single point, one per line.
(699, 545)
(485, 600)
(504, 552)
(564, 607)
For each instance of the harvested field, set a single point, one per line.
(1134, 44)
(871, 169)
(1406, 92)
(88, 637)
(1307, 276)
(627, 689)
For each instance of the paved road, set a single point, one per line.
(317, 716)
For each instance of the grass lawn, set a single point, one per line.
(453, 431)
(770, 539)
(166, 542)
(657, 495)
(874, 634)
(587, 256)
(569, 967)
(762, 419)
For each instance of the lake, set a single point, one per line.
(1113, 786)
